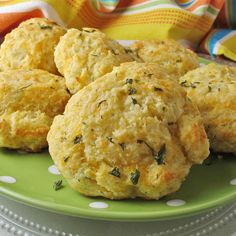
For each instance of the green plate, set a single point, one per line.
(206, 187)
(27, 179)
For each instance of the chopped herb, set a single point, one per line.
(134, 177)
(128, 50)
(178, 60)
(209, 88)
(113, 52)
(99, 104)
(159, 157)
(218, 89)
(129, 81)
(158, 89)
(122, 145)
(170, 123)
(89, 31)
(115, 172)
(84, 123)
(163, 108)
(57, 185)
(149, 75)
(95, 55)
(192, 85)
(78, 139)
(132, 91)
(92, 130)
(134, 101)
(23, 88)
(45, 27)
(140, 141)
(110, 139)
(183, 83)
(66, 158)
(68, 91)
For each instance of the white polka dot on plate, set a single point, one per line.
(98, 205)
(53, 170)
(7, 179)
(176, 202)
(233, 182)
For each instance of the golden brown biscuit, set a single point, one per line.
(213, 89)
(31, 46)
(29, 100)
(83, 56)
(172, 56)
(131, 133)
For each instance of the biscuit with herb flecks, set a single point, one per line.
(29, 100)
(174, 58)
(84, 55)
(131, 133)
(31, 46)
(213, 89)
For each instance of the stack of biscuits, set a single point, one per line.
(120, 122)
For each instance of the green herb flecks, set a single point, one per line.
(134, 101)
(209, 88)
(183, 83)
(89, 31)
(129, 81)
(134, 176)
(113, 52)
(132, 91)
(158, 89)
(149, 75)
(23, 88)
(66, 158)
(122, 145)
(110, 139)
(100, 103)
(160, 155)
(57, 185)
(78, 139)
(186, 85)
(115, 172)
(128, 50)
(44, 27)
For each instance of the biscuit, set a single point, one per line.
(172, 56)
(29, 100)
(31, 46)
(213, 89)
(84, 55)
(131, 133)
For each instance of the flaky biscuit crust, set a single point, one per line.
(29, 100)
(131, 133)
(175, 59)
(84, 55)
(213, 89)
(31, 46)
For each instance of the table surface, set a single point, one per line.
(21, 220)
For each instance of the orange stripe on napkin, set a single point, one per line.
(9, 21)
